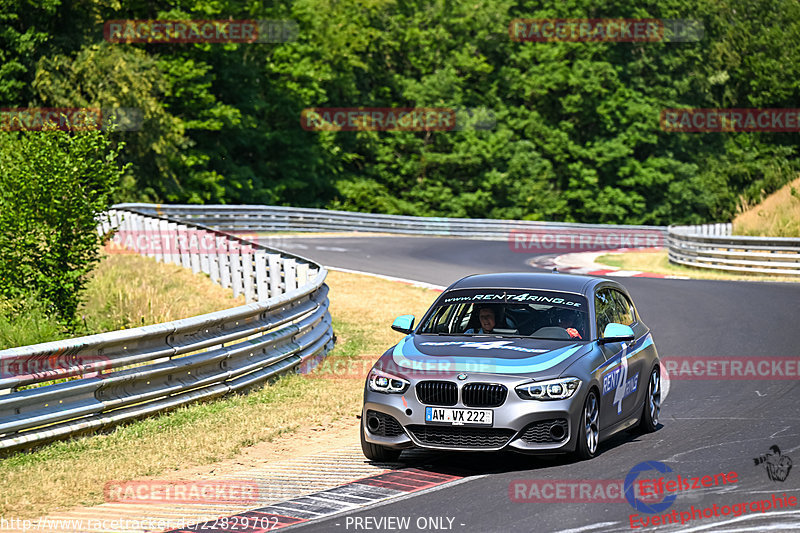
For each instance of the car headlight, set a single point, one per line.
(383, 382)
(554, 389)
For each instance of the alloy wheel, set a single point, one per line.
(654, 399)
(590, 419)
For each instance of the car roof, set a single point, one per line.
(530, 280)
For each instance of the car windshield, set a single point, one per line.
(539, 314)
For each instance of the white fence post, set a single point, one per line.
(235, 261)
(105, 223)
(147, 232)
(184, 248)
(224, 258)
(174, 244)
(159, 242)
(289, 274)
(202, 249)
(302, 274)
(262, 286)
(137, 230)
(248, 274)
(275, 285)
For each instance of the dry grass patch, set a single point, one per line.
(658, 262)
(123, 291)
(128, 290)
(777, 216)
(368, 305)
(71, 473)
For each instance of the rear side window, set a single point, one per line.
(624, 309)
(605, 308)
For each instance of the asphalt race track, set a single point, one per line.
(707, 426)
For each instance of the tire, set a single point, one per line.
(375, 452)
(652, 402)
(589, 427)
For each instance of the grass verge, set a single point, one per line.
(127, 291)
(72, 473)
(658, 262)
(27, 322)
(777, 216)
(124, 291)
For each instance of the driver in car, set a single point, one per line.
(571, 321)
(487, 318)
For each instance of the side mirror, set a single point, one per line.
(403, 324)
(616, 333)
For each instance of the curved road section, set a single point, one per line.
(721, 460)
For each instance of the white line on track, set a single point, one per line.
(416, 283)
(331, 249)
(590, 527)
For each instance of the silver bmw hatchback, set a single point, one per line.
(534, 363)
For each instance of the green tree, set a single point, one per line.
(577, 136)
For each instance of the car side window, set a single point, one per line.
(438, 323)
(625, 313)
(605, 309)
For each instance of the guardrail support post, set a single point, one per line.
(224, 258)
(183, 248)
(149, 233)
(275, 285)
(290, 274)
(202, 248)
(235, 261)
(262, 287)
(302, 274)
(161, 241)
(248, 274)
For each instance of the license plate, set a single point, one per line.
(458, 417)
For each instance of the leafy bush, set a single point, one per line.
(53, 187)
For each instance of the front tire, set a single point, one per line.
(589, 427)
(375, 452)
(652, 402)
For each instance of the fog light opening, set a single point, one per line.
(557, 431)
(373, 424)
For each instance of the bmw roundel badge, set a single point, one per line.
(462, 376)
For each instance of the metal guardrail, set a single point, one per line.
(711, 246)
(128, 374)
(257, 271)
(253, 218)
(708, 246)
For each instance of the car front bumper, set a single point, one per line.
(521, 425)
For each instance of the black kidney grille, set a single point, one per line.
(483, 395)
(437, 392)
(389, 426)
(539, 432)
(461, 437)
